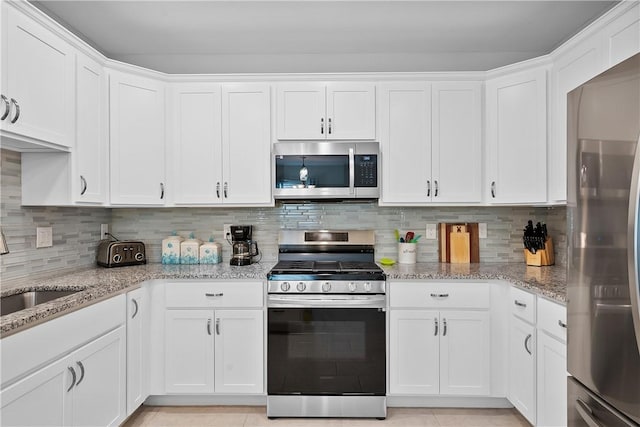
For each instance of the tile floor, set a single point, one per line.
(255, 416)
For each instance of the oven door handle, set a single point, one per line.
(346, 301)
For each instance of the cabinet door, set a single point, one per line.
(465, 365)
(137, 140)
(517, 138)
(246, 144)
(197, 144)
(239, 351)
(99, 394)
(91, 157)
(414, 352)
(522, 368)
(456, 141)
(552, 381)
(351, 111)
(300, 109)
(41, 399)
(137, 353)
(38, 73)
(188, 350)
(405, 140)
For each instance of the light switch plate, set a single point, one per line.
(104, 231)
(482, 230)
(44, 237)
(430, 232)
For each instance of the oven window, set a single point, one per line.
(326, 351)
(326, 171)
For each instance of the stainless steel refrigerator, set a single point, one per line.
(603, 336)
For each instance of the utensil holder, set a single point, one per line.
(542, 257)
(407, 253)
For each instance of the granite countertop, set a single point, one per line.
(96, 284)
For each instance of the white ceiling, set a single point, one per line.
(323, 35)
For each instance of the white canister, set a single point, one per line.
(211, 252)
(171, 249)
(407, 253)
(190, 250)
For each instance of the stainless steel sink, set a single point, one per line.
(11, 304)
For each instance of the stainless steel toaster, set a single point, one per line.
(120, 253)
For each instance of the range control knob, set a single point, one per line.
(352, 287)
(367, 286)
(301, 286)
(285, 286)
(326, 287)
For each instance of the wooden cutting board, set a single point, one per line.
(460, 245)
(444, 241)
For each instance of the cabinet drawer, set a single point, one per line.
(439, 295)
(213, 294)
(552, 318)
(523, 305)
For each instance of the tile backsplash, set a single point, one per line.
(76, 230)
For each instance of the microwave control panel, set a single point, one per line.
(366, 170)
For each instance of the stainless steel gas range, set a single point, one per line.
(326, 342)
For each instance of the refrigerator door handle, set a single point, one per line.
(633, 236)
(587, 414)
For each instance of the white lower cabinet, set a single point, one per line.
(439, 351)
(137, 348)
(85, 388)
(209, 351)
(522, 368)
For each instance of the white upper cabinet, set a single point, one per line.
(456, 149)
(405, 142)
(137, 140)
(37, 83)
(246, 144)
(91, 153)
(196, 144)
(429, 133)
(516, 127)
(339, 111)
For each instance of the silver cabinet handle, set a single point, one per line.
(217, 326)
(329, 126)
(428, 188)
(84, 185)
(435, 320)
(519, 304)
(226, 188)
(7, 108)
(209, 326)
(321, 125)
(15, 118)
(493, 189)
(439, 295)
(73, 378)
(526, 343)
(444, 327)
(81, 373)
(218, 189)
(135, 306)
(587, 414)
(435, 194)
(214, 295)
(562, 324)
(161, 190)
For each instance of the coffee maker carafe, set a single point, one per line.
(244, 250)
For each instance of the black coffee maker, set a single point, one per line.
(244, 250)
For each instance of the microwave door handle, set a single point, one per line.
(351, 171)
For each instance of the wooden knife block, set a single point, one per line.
(542, 257)
(458, 243)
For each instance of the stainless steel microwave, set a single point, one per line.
(326, 170)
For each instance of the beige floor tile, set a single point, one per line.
(261, 420)
(448, 417)
(142, 417)
(199, 416)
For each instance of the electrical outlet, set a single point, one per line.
(482, 230)
(44, 237)
(430, 232)
(226, 233)
(104, 231)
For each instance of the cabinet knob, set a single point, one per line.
(81, 373)
(135, 307)
(526, 343)
(493, 189)
(428, 188)
(161, 190)
(435, 194)
(218, 189)
(329, 126)
(7, 108)
(84, 185)
(435, 321)
(321, 125)
(73, 378)
(15, 103)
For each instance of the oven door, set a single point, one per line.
(326, 345)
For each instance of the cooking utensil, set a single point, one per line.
(397, 234)
(409, 237)
(415, 239)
